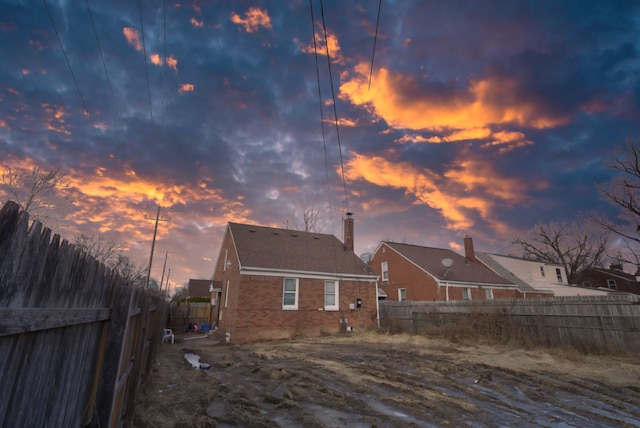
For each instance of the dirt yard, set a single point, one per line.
(376, 380)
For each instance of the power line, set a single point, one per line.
(164, 23)
(66, 58)
(104, 64)
(375, 39)
(324, 141)
(335, 111)
(144, 51)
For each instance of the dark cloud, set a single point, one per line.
(481, 118)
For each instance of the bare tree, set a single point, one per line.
(308, 221)
(624, 193)
(34, 191)
(132, 273)
(575, 245)
(99, 247)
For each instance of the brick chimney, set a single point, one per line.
(348, 232)
(469, 253)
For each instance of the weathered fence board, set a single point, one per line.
(590, 323)
(59, 314)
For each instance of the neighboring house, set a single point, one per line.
(412, 272)
(277, 283)
(199, 288)
(534, 277)
(613, 278)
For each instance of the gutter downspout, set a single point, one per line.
(377, 306)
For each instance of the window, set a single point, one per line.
(611, 283)
(226, 295)
(226, 253)
(384, 267)
(466, 294)
(559, 274)
(331, 298)
(402, 294)
(290, 294)
(488, 293)
(586, 284)
(542, 271)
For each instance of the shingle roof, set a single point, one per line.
(462, 270)
(501, 270)
(199, 287)
(292, 250)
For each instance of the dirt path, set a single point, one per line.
(386, 381)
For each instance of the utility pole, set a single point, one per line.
(163, 269)
(153, 243)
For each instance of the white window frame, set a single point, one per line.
(559, 275)
(402, 291)
(293, 307)
(542, 271)
(488, 293)
(335, 294)
(611, 283)
(384, 268)
(466, 293)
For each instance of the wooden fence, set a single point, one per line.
(591, 323)
(75, 341)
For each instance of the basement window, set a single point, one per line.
(290, 294)
(331, 297)
(586, 284)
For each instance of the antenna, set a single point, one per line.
(447, 262)
(366, 257)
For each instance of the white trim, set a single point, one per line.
(336, 293)
(226, 295)
(400, 290)
(384, 269)
(293, 307)
(306, 274)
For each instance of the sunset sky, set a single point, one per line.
(481, 117)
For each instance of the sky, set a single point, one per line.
(474, 118)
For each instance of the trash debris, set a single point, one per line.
(194, 360)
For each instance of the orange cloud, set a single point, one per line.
(186, 87)
(470, 187)
(253, 20)
(331, 43)
(54, 119)
(196, 23)
(133, 37)
(172, 62)
(470, 113)
(156, 59)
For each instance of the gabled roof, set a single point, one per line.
(498, 268)
(198, 287)
(462, 270)
(269, 248)
(615, 272)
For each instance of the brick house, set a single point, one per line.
(412, 272)
(614, 279)
(277, 283)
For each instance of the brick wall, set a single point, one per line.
(257, 311)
